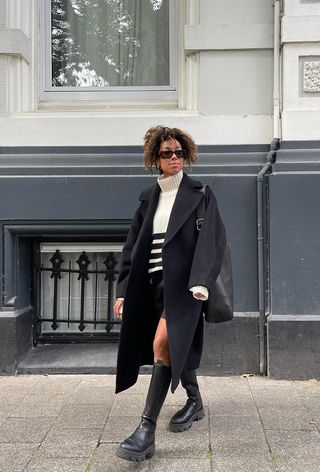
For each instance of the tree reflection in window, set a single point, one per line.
(101, 43)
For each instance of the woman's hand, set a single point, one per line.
(117, 309)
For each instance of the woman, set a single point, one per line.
(166, 267)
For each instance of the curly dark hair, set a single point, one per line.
(157, 135)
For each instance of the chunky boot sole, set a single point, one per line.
(136, 456)
(178, 428)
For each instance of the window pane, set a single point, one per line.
(101, 43)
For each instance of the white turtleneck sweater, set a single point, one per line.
(169, 187)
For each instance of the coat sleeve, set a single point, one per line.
(210, 247)
(125, 260)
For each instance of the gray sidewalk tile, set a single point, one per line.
(179, 465)
(178, 398)
(236, 404)
(18, 385)
(312, 404)
(193, 443)
(14, 457)
(232, 437)
(128, 404)
(70, 443)
(12, 399)
(8, 403)
(307, 388)
(83, 416)
(88, 394)
(40, 405)
(249, 463)
(275, 419)
(281, 408)
(3, 418)
(118, 428)
(55, 385)
(295, 451)
(222, 384)
(105, 460)
(261, 380)
(295, 444)
(40, 464)
(25, 430)
(101, 380)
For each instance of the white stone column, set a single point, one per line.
(16, 56)
(301, 70)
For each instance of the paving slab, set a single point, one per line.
(307, 388)
(295, 451)
(128, 404)
(25, 430)
(55, 385)
(40, 405)
(105, 460)
(70, 443)
(193, 443)
(237, 436)
(15, 457)
(249, 463)
(18, 384)
(232, 404)
(83, 416)
(86, 394)
(179, 465)
(40, 464)
(118, 428)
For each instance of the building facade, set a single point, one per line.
(80, 83)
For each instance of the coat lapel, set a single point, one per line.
(187, 200)
(152, 197)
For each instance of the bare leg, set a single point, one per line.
(160, 344)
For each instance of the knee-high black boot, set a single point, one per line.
(193, 409)
(140, 445)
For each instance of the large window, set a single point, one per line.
(109, 49)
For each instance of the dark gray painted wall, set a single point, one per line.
(92, 193)
(293, 335)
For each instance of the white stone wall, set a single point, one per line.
(225, 84)
(301, 70)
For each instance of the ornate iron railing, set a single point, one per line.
(87, 323)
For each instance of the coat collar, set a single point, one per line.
(187, 199)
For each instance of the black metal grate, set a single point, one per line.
(55, 318)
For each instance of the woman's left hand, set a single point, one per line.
(199, 296)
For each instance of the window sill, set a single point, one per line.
(106, 106)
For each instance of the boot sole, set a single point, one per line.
(178, 428)
(135, 456)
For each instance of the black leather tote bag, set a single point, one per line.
(219, 306)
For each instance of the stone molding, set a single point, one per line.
(15, 42)
(228, 37)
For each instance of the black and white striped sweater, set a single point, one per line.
(169, 188)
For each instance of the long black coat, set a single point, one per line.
(190, 257)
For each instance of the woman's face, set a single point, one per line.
(174, 164)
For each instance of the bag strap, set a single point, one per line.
(201, 209)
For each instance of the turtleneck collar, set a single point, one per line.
(170, 184)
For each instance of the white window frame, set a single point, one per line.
(137, 93)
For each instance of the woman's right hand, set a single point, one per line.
(117, 309)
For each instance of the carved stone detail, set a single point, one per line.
(311, 76)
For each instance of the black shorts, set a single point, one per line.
(156, 281)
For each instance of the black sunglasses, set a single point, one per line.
(179, 153)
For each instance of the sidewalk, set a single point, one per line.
(73, 423)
